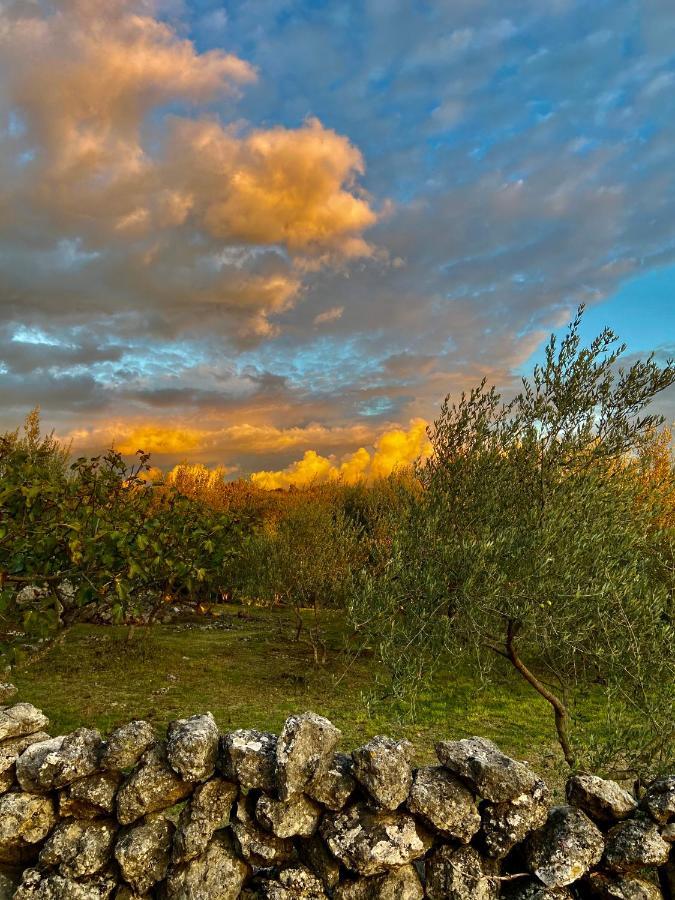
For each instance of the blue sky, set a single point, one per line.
(243, 230)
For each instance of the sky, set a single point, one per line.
(274, 234)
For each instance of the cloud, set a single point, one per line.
(330, 315)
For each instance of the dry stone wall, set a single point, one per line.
(199, 815)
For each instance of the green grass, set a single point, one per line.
(245, 668)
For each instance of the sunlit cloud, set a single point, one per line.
(330, 315)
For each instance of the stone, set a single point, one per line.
(314, 853)
(668, 833)
(292, 883)
(304, 752)
(38, 885)
(7, 887)
(20, 720)
(215, 875)
(506, 824)
(79, 847)
(126, 745)
(249, 758)
(192, 747)
(25, 821)
(604, 801)
(659, 799)
(206, 811)
(634, 844)
(152, 786)
(298, 816)
(257, 846)
(334, 787)
(370, 842)
(90, 797)
(10, 750)
(488, 772)
(56, 762)
(607, 887)
(143, 852)
(459, 874)
(399, 884)
(529, 889)
(382, 766)
(7, 691)
(444, 803)
(565, 848)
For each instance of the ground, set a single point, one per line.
(245, 668)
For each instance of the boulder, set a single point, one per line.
(90, 797)
(79, 848)
(659, 799)
(206, 811)
(143, 852)
(444, 803)
(304, 752)
(611, 887)
(530, 889)
(370, 842)
(10, 750)
(603, 801)
(459, 874)
(634, 844)
(334, 787)
(126, 745)
(382, 766)
(192, 747)
(54, 763)
(566, 848)
(38, 885)
(20, 720)
(152, 786)
(398, 884)
(487, 771)
(218, 874)
(292, 883)
(506, 824)
(249, 758)
(298, 816)
(314, 854)
(256, 845)
(25, 821)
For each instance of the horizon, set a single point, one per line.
(243, 232)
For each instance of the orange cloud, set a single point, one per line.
(394, 449)
(330, 315)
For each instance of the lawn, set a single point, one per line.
(245, 668)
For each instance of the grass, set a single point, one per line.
(245, 668)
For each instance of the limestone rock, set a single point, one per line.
(126, 745)
(668, 833)
(152, 786)
(607, 887)
(292, 883)
(659, 799)
(249, 758)
(207, 810)
(42, 886)
(444, 803)
(10, 750)
(257, 846)
(382, 766)
(567, 846)
(603, 801)
(21, 719)
(25, 821)
(398, 884)
(215, 875)
(314, 853)
(58, 761)
(304, 751)
(143, 852)
(7, 887)
(192, 747)
(459, 874)
(90, 797)
(370, 843)
(487, 770)
(79, 847)
(7, 691)
(334, 787)
(298, 816)
(507, 824)
(530, 889)
(634, 844)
